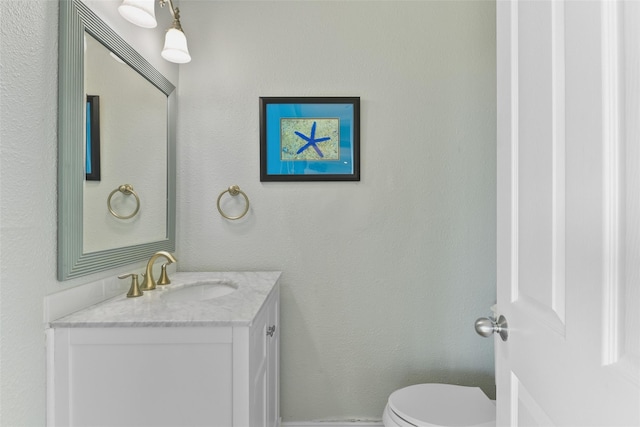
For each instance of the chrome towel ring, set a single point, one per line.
(127, 190)
(234, 190)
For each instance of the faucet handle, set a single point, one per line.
(134, 290)
(164, 278)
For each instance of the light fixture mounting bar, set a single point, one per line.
(175, 12)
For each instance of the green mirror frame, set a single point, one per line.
(75, 19)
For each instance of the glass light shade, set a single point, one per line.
(175, 47)
(139, 12)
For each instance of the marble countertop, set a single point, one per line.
(238, 308)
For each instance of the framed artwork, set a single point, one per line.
(310, 139)
(92, 148)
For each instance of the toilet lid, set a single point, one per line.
(442, 405)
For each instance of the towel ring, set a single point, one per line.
(234, 190)
(127, 190)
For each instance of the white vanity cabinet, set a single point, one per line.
(200, 375)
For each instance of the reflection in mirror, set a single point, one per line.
(133, 132)
(137, 148)
(92, 139)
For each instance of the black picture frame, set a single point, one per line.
(92, 148)
(309, 139)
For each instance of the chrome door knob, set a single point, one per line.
(486, 326)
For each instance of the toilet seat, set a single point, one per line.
(443, 405)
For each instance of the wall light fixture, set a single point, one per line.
(142, 14)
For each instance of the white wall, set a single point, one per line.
(28, 224)
(383, 278)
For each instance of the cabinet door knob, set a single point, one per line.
(271, 330)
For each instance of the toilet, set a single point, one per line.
(442, 405)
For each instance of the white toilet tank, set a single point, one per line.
(443, 405)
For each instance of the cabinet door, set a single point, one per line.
(264, 366)
(273, 364)
(141, 377)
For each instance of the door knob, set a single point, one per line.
(486, 326)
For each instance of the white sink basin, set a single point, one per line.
(200, 291)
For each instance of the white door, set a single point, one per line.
(568, 212)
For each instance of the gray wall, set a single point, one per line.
(28, 104)
(383, 278)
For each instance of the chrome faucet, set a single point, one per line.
(148, 284)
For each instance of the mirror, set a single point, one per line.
(116, 128)
(131, 127)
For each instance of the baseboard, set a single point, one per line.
(347, 423)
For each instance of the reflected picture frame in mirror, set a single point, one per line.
(76, 19)
(92, 139)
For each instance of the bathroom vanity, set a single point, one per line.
(202, 351)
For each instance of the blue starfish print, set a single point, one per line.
(312, 140)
